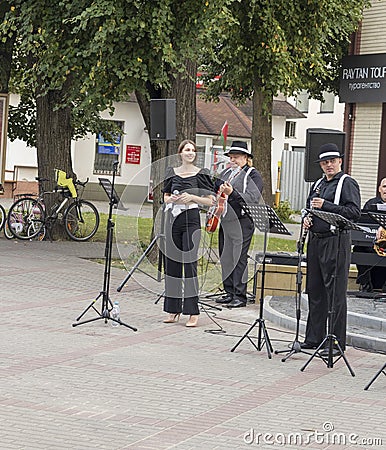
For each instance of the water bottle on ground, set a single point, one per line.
(115, 314)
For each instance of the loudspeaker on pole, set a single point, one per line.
(315, 138)
(163, 119)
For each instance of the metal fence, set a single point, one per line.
(292, 185)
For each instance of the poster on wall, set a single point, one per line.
(110, 148)
(133, 154)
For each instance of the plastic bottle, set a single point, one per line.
(115, 314)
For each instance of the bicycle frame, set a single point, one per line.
(33, 216)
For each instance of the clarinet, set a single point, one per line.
(307, 216)
(304, 231)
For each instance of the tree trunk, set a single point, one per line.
(262, 139)
(53, 142)
(183, 89)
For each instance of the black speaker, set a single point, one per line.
(315, 138)
(163, 119)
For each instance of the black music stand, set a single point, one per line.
(381, 220)
(265, 220)
(381, 370)
(296, 346)
(340, 223)
(107, 304)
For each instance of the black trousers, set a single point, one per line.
(234, 240)
(325, 257)
(182, 239)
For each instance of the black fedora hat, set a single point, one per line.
(329, 151)
(238, 147)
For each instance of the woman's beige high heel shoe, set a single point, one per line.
(173, 318)
(192, 322)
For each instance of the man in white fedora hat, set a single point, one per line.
(242, 184)
(329, 254)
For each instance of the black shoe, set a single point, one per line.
(236, 303)
(366, 287)
(325, 352)
(308, 346)
(226, 299)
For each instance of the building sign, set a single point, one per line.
(110, 148)
(363, 79)
(133, 154)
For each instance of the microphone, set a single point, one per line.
(175, 192)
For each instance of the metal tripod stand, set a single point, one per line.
(381, 370)
(262, 334)
(265, 219)
(296, 346)
(107, 305)
(340, 223)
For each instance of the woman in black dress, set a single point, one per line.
(186, 187)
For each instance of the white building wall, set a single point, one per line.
(18, 154)
(135, 134)
(83, 150)
(316, 119)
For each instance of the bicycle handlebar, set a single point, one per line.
(40, 179)
(82, 183)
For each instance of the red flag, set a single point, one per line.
(224, 134)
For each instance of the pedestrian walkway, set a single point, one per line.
(165, 385)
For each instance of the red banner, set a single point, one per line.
(133, 154)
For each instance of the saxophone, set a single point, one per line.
(380, 244)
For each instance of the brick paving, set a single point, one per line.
(164, 386)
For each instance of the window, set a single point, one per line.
(290, 129)
(106, 153)
(327, 106)
(302, 101)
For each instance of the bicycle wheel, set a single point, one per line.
(36, 231)
(3, 216)
(7, 232)
(26, 218)
(81, 220)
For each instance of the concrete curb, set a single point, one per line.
(365, 341)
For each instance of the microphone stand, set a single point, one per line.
(296, 346)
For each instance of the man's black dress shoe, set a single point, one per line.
(236, 303)
(226, 299)
(308, 346)
(366, 287)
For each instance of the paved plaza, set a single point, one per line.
(164, 386)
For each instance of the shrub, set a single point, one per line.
(284, 210)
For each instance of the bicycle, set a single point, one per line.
(27, 217)
(3, 217)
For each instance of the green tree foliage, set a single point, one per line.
(93, 53)
(280, 46)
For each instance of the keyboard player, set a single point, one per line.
(372, 277)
